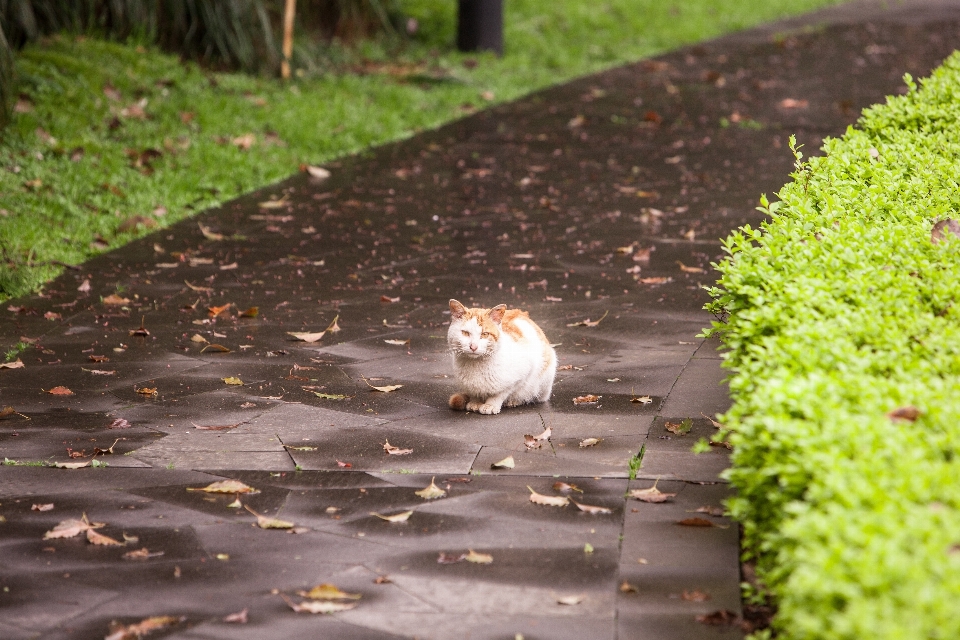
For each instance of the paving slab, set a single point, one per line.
(603, 199)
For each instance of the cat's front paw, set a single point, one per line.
(474, 406)
(488, 409)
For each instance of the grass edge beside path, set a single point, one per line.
(112, 141)
(844, 337)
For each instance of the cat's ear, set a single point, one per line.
(496, 314)
(457, 310)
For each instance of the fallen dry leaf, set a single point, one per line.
(141, 554)
(18, 364)
(382, 580)
(549, 501)
(588, 322)
(399, 343)
(681, 428)
(60, 391)
(432, 491)
(907, 414)
(71, 465)
(225, 486)
(698, 522)
(591, 509)
(718, 618)
(571, 600)
(626, 587)
(306, 336)
(141, 331)
(687, 269)
(215, 348)
(385, 389)
(99, 539)
(142, 628)
(146, 391)
(99, 359)
(42, 507)
(317, 172)
(589, 442)
(114, 299)
(320, 606)
(233, 381)
(265, 522)
(450, 558)
(563, 487)
(275, 203)
(71, 528)
(194, 287)
(644, 400)
(478, 558)
(252, 312)
(216, 311)
(535, 442)
(506, 463)
(652, 494)
(710, 511)
(403, 516)
(240, 617)
(695, 596)
(587, 399)
(198, 338)
(328, 591)
(244, 142)
(333, 327)
(395, 451)
(328, 396)
(388, 299)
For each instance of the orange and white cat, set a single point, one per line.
(500, 357)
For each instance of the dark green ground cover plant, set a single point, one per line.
(111, 140)
(842, 318)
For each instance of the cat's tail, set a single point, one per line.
(458, 401)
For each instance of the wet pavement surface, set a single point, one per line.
(603, 199)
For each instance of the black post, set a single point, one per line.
(480, 26)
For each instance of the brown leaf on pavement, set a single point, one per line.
(506, 463)
(141, 554)
(306, 336)
(589, 442)
(588, 322)
(699, 522)
(142, 331)
(17, 364)
(215, 348)
(252, 312)
(265, 522)
(142, 628)
(563, 487)
(721, 617)
(478, 558)
(651, 494)
(395, 451)
(42, 507)
(571, 600)
(548, 501)
(60, 391)
(587, 399)
(216, 311)
(240, 617)
(535, 442)
(319, 606)
(403, 516)
(695, 595)
(681, 428)
(99, 539)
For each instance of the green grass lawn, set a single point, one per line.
(110, 141)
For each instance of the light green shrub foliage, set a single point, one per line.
(841, 309)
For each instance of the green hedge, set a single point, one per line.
(837, 311)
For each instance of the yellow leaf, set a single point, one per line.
(99, 539)
(431, 492)
(328, 591)
(478, 558)
(591, 509)
(395, 451)
(265, 522)
(226, 486)
(233, 381)
(506, 463)
(651, 494)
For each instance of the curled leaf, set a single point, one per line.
(506, 463)
(141, 554)
(71, 465)
(142, 628)
(334, 327)
(403, 516)
(215, 348)
(478, 558)
(699, 522)
(587, 399)
(99, 539)
(395, 451)
(233, 381)
(431, 492)
(549, 501)
(265, 522)
(589, 442)
(60, 391)
(319, 606)
(588, 322)
(17, 364)
(681, 428)
(306, 336)
(591, 509)
(571, 600)
(563, 487)
(71, 528)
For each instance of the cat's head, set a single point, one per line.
(474, 332)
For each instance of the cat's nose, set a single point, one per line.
(473, 346)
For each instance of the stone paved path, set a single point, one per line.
(528, 204)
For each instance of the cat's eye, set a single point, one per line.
(485, 334)
(466, 333)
